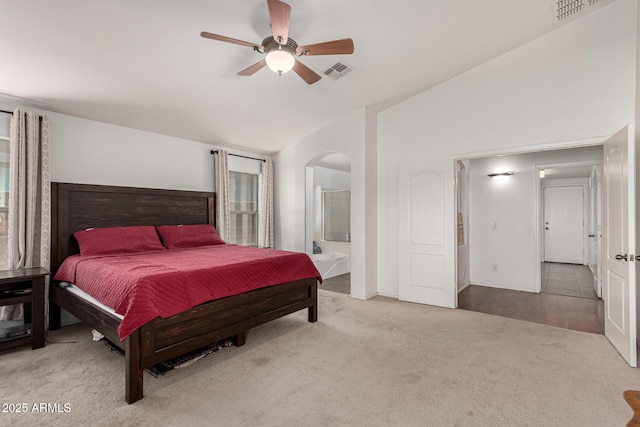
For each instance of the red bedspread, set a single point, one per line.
(145, 285)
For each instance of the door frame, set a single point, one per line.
(539, 231)
(586, 142)
(595, 211)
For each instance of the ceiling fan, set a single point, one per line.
(281, 50)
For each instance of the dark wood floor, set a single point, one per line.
(340, 284)
(580, 314)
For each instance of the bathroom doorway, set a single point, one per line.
(328, 219)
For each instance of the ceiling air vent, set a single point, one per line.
(563, 10)
(567, 8)
(337, 70)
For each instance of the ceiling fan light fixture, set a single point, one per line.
(280, 60)
(281, 50)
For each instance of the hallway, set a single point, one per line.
(567, 300)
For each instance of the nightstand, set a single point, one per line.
(25, 286)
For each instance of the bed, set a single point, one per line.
(80, 206)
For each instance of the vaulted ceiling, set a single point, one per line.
(142, 64)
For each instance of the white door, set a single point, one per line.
(618, 278)
(564, 224)
(599, 233)
(427, 234)
(592, 229)
(595, 229)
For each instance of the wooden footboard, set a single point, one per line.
(163, 339)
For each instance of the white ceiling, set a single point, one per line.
(336, 161)
(142, 64)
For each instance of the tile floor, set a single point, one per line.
(567, 279)
(340, 284)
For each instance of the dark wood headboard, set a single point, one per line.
(79, 206)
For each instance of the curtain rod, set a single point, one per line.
(238, 155)
(11, 112)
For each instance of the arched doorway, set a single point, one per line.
(328, 219)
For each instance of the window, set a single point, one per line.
(336, 215)
(243, 201)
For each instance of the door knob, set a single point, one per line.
(622, 257)
(591, 235)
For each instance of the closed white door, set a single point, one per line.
(564, 224)
(427, 234)
(618, 276)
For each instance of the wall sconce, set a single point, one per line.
(491, 175)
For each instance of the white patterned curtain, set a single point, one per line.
(29, 222)
(265, 221)
(221, 171)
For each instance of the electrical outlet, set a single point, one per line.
(463, 274)
(494, 267)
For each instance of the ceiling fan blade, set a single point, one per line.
(249, 71)
(229, 40)
(279, 14)
(335, 47)
(307, 74)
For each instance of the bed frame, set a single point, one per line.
(79, 206)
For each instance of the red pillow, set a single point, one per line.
(118, 240)
(189, 236)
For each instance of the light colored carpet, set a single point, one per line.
(364, 363)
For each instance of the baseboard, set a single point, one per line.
(464, 286)
(498, 286)
(384, 294)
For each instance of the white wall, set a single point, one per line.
(577, 82)
(346, 136)
(89, 152)
(502, 227)
(372, 203)
(4, 125)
